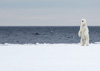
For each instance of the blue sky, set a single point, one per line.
(49, 12)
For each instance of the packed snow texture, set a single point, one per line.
(49, 57)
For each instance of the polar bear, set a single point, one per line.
(84, 33)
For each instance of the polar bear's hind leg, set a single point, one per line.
(87, 41)
(82, 42)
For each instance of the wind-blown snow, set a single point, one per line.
(49, 57)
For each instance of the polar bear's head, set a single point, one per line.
(83, 22)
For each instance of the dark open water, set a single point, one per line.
(23, 35)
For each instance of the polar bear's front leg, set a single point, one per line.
(79, 33)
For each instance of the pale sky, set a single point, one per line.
(49, 12)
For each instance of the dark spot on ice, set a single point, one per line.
(68, 37)
(17, 41)
(37, 34)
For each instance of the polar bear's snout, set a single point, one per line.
(82, 20)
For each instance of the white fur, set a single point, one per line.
(84, 33)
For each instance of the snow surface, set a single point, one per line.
(49, 57)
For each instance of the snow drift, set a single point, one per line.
(49, 57)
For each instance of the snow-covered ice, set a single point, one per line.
(49, 57)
